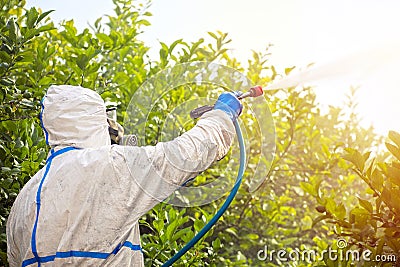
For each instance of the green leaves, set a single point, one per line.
(83, 59)
(366, 205)
(395, 137)
(33, 27)
(12, 30)
(312, 187)
(356, 158)
(22, 147)
(375, 216)
(32, 16)
(104, 38)
(394, 148)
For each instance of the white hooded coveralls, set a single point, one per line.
(83, 207)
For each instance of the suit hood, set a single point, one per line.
(74, 116)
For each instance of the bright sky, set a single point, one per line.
(301, 31)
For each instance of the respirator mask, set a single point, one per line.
(116, 131)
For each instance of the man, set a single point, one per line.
(83, 207)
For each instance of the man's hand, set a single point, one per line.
(229, 103)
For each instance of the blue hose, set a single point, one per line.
(224, 207)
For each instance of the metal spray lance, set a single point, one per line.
(253, 92)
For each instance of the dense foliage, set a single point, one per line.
(322, 185)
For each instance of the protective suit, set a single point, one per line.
(82, 208)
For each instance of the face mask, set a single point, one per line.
(116, 131)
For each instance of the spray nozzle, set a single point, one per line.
(253, 92)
